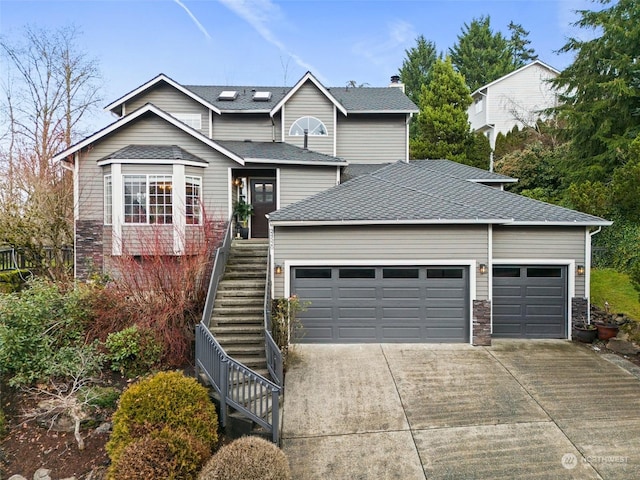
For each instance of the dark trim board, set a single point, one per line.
(359, 304)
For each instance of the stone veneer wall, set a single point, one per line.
(579, 310)
(89, 255)
(481, 323)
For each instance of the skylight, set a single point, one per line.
(261, 96)
(228, 95)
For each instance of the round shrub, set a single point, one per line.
(166, 400)
(247, 457)
(166, 454)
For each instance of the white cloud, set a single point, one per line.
(195, 20)
(382, 50)
(261, 14)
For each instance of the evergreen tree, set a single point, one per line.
(416, 67)
(442, 127)
(521, 53)
(481, 55)
(602, 88)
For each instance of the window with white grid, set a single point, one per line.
(193, 188)
(108, 200)
(160, 199)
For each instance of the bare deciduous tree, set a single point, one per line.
(50, 87)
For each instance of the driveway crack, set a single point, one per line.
(404, 409)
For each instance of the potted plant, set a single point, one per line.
(584, 332)
(607, 326)
(242, 211)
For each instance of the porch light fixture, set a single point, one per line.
(237, 182)
(483, 268)
(580, 269)
(278, 270)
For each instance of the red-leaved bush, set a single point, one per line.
(159, 292)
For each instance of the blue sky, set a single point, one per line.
(271, 42)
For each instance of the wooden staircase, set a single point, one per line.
(237, 320)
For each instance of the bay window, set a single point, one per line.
(148, 199)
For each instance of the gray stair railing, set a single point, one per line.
(237, 386)
(275, 362)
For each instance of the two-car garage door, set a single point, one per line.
(383, 303)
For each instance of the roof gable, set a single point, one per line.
(116, 106)
(308, 77)
(535, 63)
(128, 119)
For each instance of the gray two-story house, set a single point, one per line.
(385, 249)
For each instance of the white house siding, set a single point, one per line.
(297, 183)
(367, 138)
(145, 131)
(517, 99)
(172, 101)
(406, 244)
(310, 101)
(257, 127)
(541, 243)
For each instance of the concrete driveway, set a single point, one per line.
(518, 409)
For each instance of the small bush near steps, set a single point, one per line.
(247, 458)
(133, 350)
(166, 455)
(166, 401)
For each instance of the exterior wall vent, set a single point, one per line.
(228, 95)
(261, 96)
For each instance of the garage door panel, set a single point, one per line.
(531, 304)
(385, 304)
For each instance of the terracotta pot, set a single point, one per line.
(607, 330)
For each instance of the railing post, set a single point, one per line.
(224, 390)
(275, 415)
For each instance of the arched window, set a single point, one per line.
(312, 125)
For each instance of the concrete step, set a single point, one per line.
(235, 329)
(243, 274)
(240, 301)
(236, 320)
(231, 291)
(251, 361)
(238, 310)
(252, 284)
(226, 339)
(251, 350)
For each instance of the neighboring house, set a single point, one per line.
(516, 99)
(385, 249)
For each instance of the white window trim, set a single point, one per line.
(147, 196)
(326, 132)
(194, 120)
(108, 212)
(199, 183)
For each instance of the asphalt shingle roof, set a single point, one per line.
(408, 193)
(277, 151)
(462, 171)
(153, 152)
(370, 99)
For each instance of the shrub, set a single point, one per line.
(3, 424)
(166, 400)
(133, 350)
(247, 457)
(165, 454)
(13, 281)
(42, 330)
(102, 397)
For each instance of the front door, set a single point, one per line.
(263, 199)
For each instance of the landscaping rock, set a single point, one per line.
(16, 477)
(622, 347)
(104, 428)
(42, 474)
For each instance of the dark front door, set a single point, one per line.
(263, 199)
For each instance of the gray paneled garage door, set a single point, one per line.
(529, 301)
(383, 304)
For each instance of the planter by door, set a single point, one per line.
(607, 331)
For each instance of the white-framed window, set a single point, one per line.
(194, 120)
(479, 105)
(312, 125)
(148, 199)
(193, 200)
(108, 200)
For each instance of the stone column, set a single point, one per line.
(89, 256)
(579, 310)
(481, 323)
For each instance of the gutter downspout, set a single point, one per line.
(587, 272)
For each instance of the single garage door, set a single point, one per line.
(529, 301)
(383, 304)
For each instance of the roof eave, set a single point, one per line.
(336, 163)
(155, 161)
(435, 221)
(307, 76)
(384, 111)
(545, 223)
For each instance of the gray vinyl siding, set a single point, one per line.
(246, 126)
(372, 138)
(297, 183)
(388, 243)
(309, 101)
(144, 131)
(544, 243)
(172, 101)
